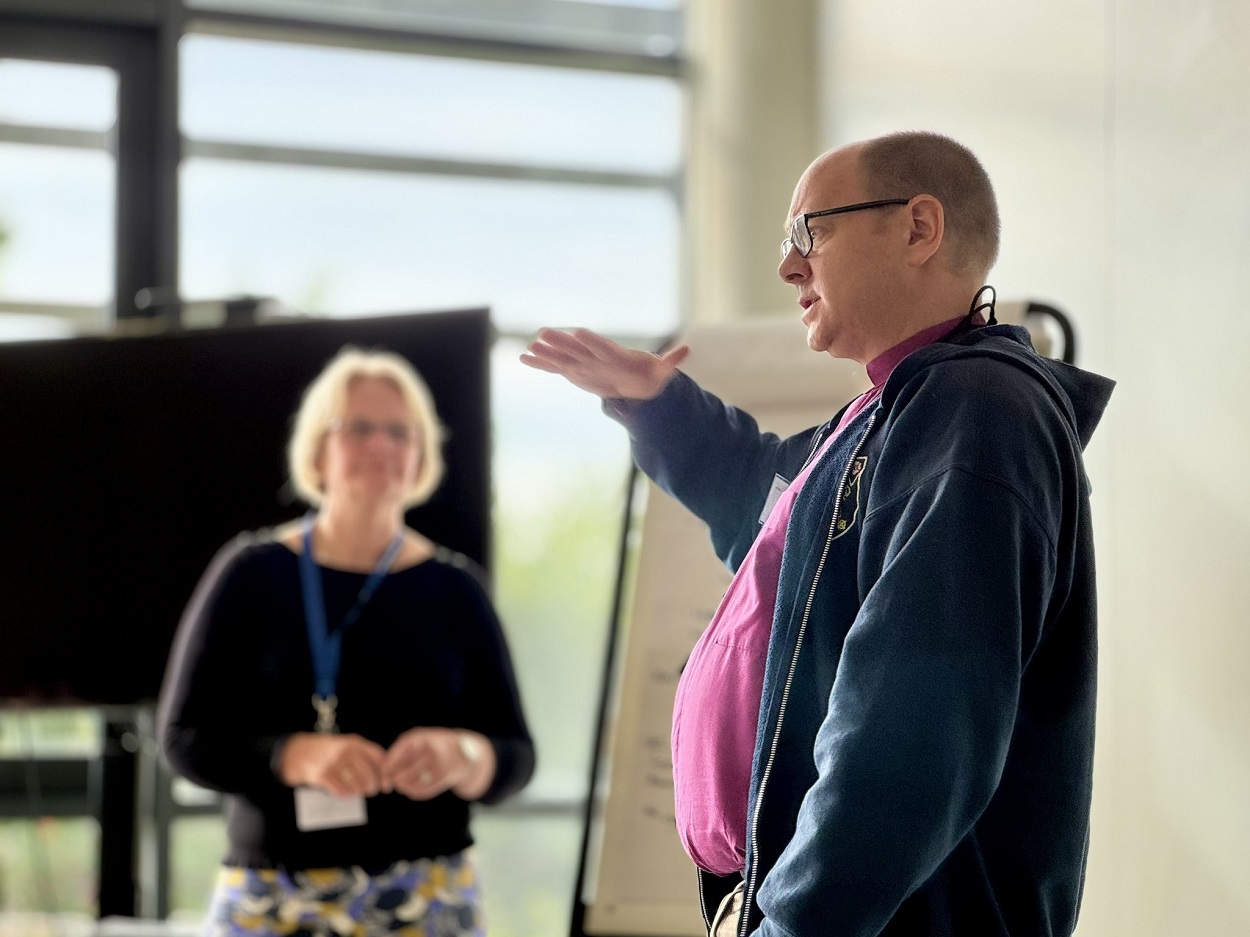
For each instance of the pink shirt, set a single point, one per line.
(718, 697)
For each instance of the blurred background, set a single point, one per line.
(627, 166)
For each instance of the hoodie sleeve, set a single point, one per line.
(711, 457)
(956, 567)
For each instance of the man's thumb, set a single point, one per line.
(675, 356)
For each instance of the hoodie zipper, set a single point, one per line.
(748, 894)
(707, 918)
(820, 437)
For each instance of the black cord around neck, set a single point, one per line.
(978, 306)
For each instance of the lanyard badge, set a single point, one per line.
(325, 713)
(326, 646)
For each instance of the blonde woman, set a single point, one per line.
(346, 682)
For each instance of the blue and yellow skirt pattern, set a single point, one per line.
(423, 898)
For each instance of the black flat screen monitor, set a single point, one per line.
(126, 463)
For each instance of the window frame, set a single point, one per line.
(127, 788)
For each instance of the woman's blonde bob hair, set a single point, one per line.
(324, 401)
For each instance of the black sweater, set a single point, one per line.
(426, 651)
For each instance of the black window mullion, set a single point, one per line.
(146, 209)
(145, 252)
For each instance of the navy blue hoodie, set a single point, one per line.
(924, 752)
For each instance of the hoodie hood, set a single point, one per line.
(1082, 395)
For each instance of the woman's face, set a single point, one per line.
(372, 452)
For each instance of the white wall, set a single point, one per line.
(1118, 136)
(752, 131)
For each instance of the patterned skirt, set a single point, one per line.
(423, 898)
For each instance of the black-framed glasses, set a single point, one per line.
(801, 236)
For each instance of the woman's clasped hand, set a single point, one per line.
(421, 764)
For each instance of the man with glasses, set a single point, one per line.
(887, 728)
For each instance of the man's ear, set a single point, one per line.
(924, 237)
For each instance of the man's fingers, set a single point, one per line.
(603, 348)
(541, 364)
(579, 343)
(610, 352)
(551, 355)
(675, 356)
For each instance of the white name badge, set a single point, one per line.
(775, 492)
(316, 809)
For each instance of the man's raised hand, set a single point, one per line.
(601, 366)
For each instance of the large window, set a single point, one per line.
(57, 191)
(343, 242)
(530, 161)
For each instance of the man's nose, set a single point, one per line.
(793, 267)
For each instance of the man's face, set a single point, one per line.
(846, 284)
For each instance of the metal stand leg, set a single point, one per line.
(115, 810)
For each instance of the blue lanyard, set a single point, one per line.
(326, 646)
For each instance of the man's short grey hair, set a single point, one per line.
(909, 163)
